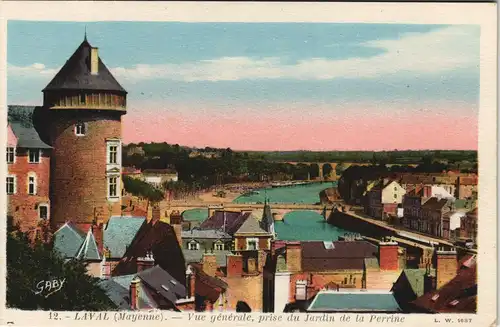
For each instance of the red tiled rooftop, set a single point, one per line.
(458, 295)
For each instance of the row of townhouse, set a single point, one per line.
(429, 209)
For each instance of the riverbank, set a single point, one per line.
(255, 192)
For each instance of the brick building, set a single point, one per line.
(468, 226)
(302, 269)
(81, 116)
(383, 199)
(27, 181)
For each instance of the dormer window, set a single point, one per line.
(34, 156)
(80, 129)
(219, 246)
(193, 245)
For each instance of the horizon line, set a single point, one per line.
(298, 150)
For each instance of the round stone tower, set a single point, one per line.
(82, 110)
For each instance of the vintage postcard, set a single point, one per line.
(248, 163)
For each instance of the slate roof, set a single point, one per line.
(205, 234)
(75, 74)
(120, 232)
(233, 221)
(435, 204)
(251, 226)
(356, 301)
(118, 290)
(68, 240)
(267, 218)
(195, 256)
(163, 283)
(20, 119)
(159, 238)
(458, 295)
(88, 249)
(343, 255)
(416, 278)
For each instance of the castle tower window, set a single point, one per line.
(11, 185)
(34, 156)
(43, 212)
(32, 185)
(80, 129)
(113, 154)
(113, 187)
(11, 155)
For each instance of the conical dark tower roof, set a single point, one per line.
(75, 74)
(267, 217)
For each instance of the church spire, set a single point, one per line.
(85, 35)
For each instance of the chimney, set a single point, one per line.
(135, 285)
(427, 191)
(178, 233)
(234, 265)
(94, 61)
(209, 264)
(155, 214)
(388, 255)
(251, 265)
(145, 262)
(294, 257)
(429, 280)
(446, 266)
(98, 231)
(175, 218)
(190, 282)
(261, 262)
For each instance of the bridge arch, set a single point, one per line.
(327, 170)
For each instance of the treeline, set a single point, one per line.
(391, 157)
(142, 189)
(197, 172)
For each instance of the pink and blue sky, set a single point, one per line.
(256, 86)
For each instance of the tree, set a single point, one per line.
(28, 265)
(142, 189)
(339, 168)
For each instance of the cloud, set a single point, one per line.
(446, 49)
(35, 70)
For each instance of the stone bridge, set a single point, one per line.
(332, 175)
(279, 210)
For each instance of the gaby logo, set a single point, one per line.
(49, 287)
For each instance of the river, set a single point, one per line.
(297, 225)
(293, 194)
